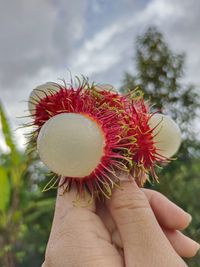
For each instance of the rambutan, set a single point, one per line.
(80, 136)
(89, 133)
(153, 146)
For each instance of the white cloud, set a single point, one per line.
(37, 34)
(41, 39)
(179, 20)
(113, 45)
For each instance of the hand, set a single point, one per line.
(145, 232)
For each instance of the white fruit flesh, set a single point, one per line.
(167, 134)
(40, 92)
(71, 144)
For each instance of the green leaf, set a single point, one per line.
(4, 190)
(6, 129)
(7, 133)
(15, 166)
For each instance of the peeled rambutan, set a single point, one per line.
(153, 146)
(167, 135)
(88, 134)
(144, 151)
(80, 136)
(40, 92)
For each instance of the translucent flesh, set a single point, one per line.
(71, 144)
(167, 134)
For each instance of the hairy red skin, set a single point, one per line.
(129, 144)
(145, 154)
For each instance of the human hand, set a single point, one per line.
(146, 221)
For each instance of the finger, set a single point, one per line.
(75, 226)
(70, 200)
(81, 240)
(139, 230)
(184, 246)
(67, 203)
(116, 239)
(103, 212)
(168, 214)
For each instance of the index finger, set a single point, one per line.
(168, 214)
(68, 201)
(139, 230)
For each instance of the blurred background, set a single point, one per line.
(151, 43)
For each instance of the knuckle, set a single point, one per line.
(130, 206)
(129, 199)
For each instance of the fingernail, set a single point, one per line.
(197, 247)
(189, 218)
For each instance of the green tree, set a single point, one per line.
(159, 73)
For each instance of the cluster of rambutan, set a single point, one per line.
(90, 135)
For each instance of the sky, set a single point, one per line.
(45, 40)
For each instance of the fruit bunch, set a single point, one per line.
(89, 134)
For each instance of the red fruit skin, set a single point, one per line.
(106, 109)
(129, 145)
(145, 153)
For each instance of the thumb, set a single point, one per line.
(143, 240)
(78, 236)
(67, 202)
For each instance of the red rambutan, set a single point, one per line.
(99, 149)
(89, 134)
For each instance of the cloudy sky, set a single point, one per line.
(41, 40)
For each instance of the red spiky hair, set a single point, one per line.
(145, 154)
(129, 145)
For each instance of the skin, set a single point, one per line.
(144, 222)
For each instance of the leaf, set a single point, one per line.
(7, 133)
(4, 190)
(15, 156)
(6, 129)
